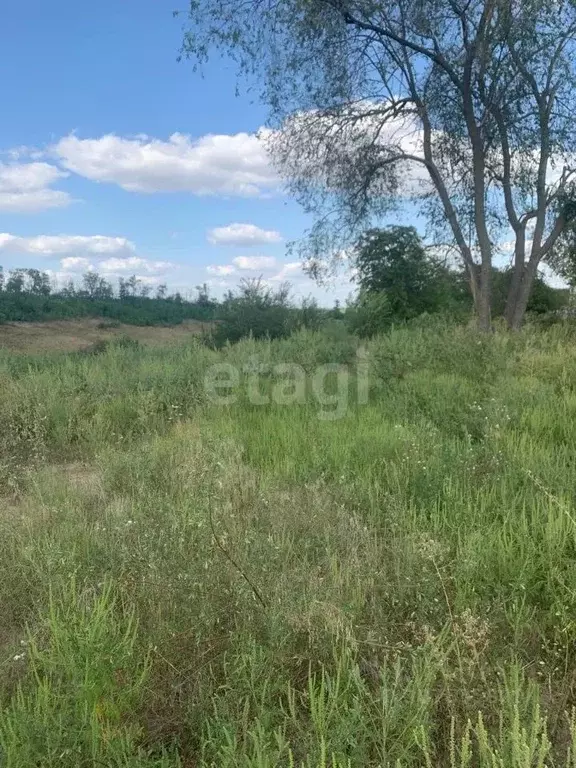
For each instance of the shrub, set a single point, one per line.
(255, 310)
(370, 315)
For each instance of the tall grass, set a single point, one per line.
(184, 584)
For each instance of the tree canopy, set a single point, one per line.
(395, 262)
(461, 107)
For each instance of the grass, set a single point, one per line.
(37, 338)
(184, 584)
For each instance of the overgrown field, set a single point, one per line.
(81, 334)
(190, 584)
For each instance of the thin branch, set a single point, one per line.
(433, 55)
(232, 561)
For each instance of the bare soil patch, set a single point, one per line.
(74, 335)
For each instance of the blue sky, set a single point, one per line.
(116, 157)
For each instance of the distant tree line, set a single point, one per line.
(399, 279)
(29, 295)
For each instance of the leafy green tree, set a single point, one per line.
(543, 299)
(310, 315)
(69, 290)
(16, 281)
(122, 289)
(133, 285)
(203, 295)
(563, 257)
(394, 261)
(463, 107)
(38, 282)
(96, 287)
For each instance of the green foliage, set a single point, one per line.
(74, 701)
(563, 256)
(394, 261)
(133, 311)
(258, 311)
(253, 309)
(399, 281)
(414, 557)
(96, 287)
(370, 314)
(26, 295)
(544, 298)
(384, 103)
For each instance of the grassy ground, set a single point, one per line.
(74, 335)
(185, 584)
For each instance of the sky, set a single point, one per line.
(117, 158)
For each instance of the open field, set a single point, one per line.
(74, 335)
(190, 584)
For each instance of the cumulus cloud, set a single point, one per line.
(66, 245)
(26, 187)
(111, 256)
(329, 150)
(133, 264)
(211, 165)
(248, 263)
(289, 271)
(76, 264)
(243, 235)
(223, 270)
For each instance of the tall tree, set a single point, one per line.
(96, 287)
(463, 107)
(38, 282)
(16, 281)
(563, 257)
(394, 261)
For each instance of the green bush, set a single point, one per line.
(370, 314)
(255, 310)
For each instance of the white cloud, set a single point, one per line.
(25, 187)
(132, 264)
(243, 235)
(222, 270)
(325, 148)
(76, 264)
(111, 256)
(289, 271)
(66, 245)
(211, 165)
(254, 262)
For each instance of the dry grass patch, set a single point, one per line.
(75, 335)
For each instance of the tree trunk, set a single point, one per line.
(517, 277)
(480, 284)
(513, 296)
(484, 299)
(518, 309)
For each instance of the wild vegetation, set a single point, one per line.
(191, 584)
(398, 278)
(29, 295)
